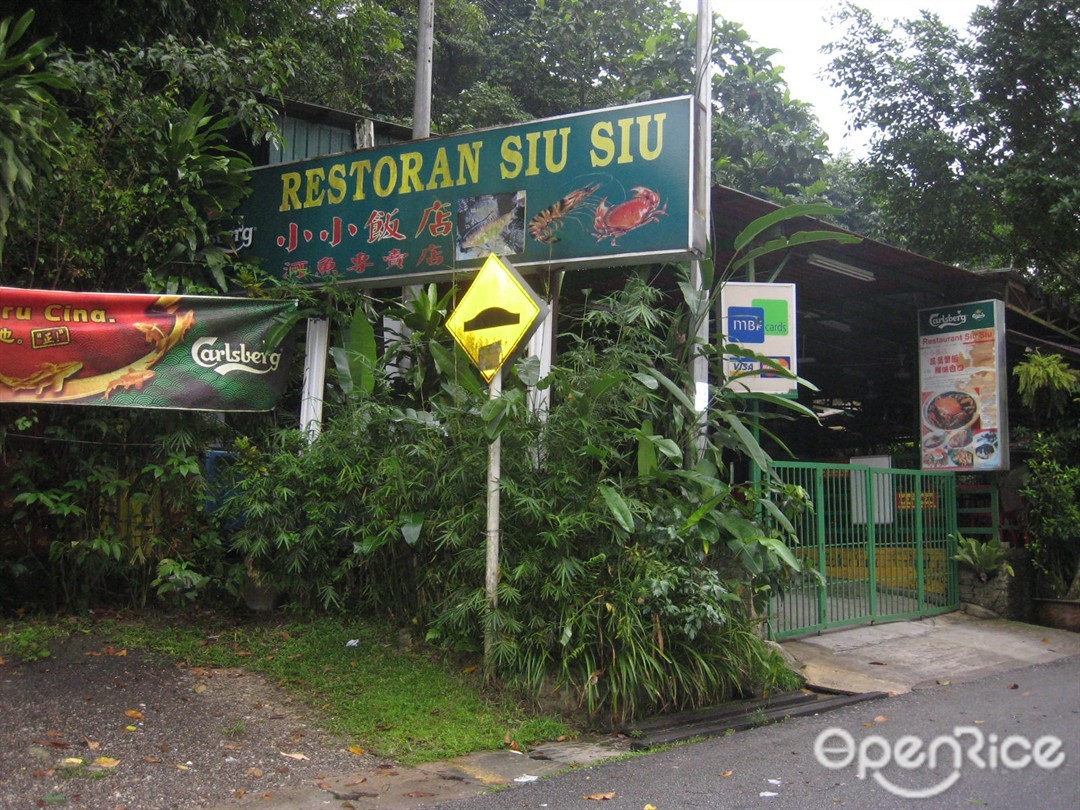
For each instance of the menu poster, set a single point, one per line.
(962, 410)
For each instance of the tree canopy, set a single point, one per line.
(976, 139)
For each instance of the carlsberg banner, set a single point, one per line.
(140, 351)
(601, 188)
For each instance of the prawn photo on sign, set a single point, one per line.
(545, 226)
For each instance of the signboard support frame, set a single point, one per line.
(311, 399)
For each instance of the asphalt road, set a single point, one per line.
(1017, 716)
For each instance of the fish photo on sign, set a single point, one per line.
(491, 223)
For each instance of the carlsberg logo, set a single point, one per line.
(940, 320)
(229, 357)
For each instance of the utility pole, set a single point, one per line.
(425, 39)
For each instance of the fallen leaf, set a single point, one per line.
(93, 745)
(239, 794)
(53, 743)
(877, 663)
(134, 714)
(131, 728)
(1025, 694)
(106, 762)
(72, 762)
(944, 682)
(727, 773)
(765, 794)
(199, 688)
(256, 772)
(151, 760)
(164, 748)
(356, 749)
(182, 768)
(601, 797)
(282, 769)
(881, 719)
(293, 756)
(649, 807)
(231, 746)
(979, 722)
(868, 725)
(92, 654)
(418, 794)
(470, 670)
(1014, 686)
(2, 662)
(774, 781)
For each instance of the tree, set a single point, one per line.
(31, 122)
(764, 141)
(978, 140)
(150, 178)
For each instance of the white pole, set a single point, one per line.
(702, 206)
(491, 578)
(311, 400)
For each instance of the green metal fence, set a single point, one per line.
(879, 542)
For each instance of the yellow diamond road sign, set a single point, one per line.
(497, 314)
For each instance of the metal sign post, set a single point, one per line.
(496, 316)
(491, 573)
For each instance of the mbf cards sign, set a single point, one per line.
(606, 187)
(962, 411)
(759, 319)
(145, 351)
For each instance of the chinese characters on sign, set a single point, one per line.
(605, 187)
(145, 351)
(963, 425)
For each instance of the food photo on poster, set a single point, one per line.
(961, 356)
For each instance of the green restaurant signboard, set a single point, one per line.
(601, 188)
(141, 351)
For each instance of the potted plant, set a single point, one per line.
(985, 576)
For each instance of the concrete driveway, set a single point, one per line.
(902, 656)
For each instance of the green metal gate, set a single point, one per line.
(880, 541)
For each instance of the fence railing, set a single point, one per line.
(878, 545)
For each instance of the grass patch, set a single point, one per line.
(393, 700)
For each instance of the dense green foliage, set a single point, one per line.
(145, 179)
(31, 123)
(630, 570)
(1050, 390)
(978, 139)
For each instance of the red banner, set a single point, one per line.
(145, 351)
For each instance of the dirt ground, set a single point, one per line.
(96, 727)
